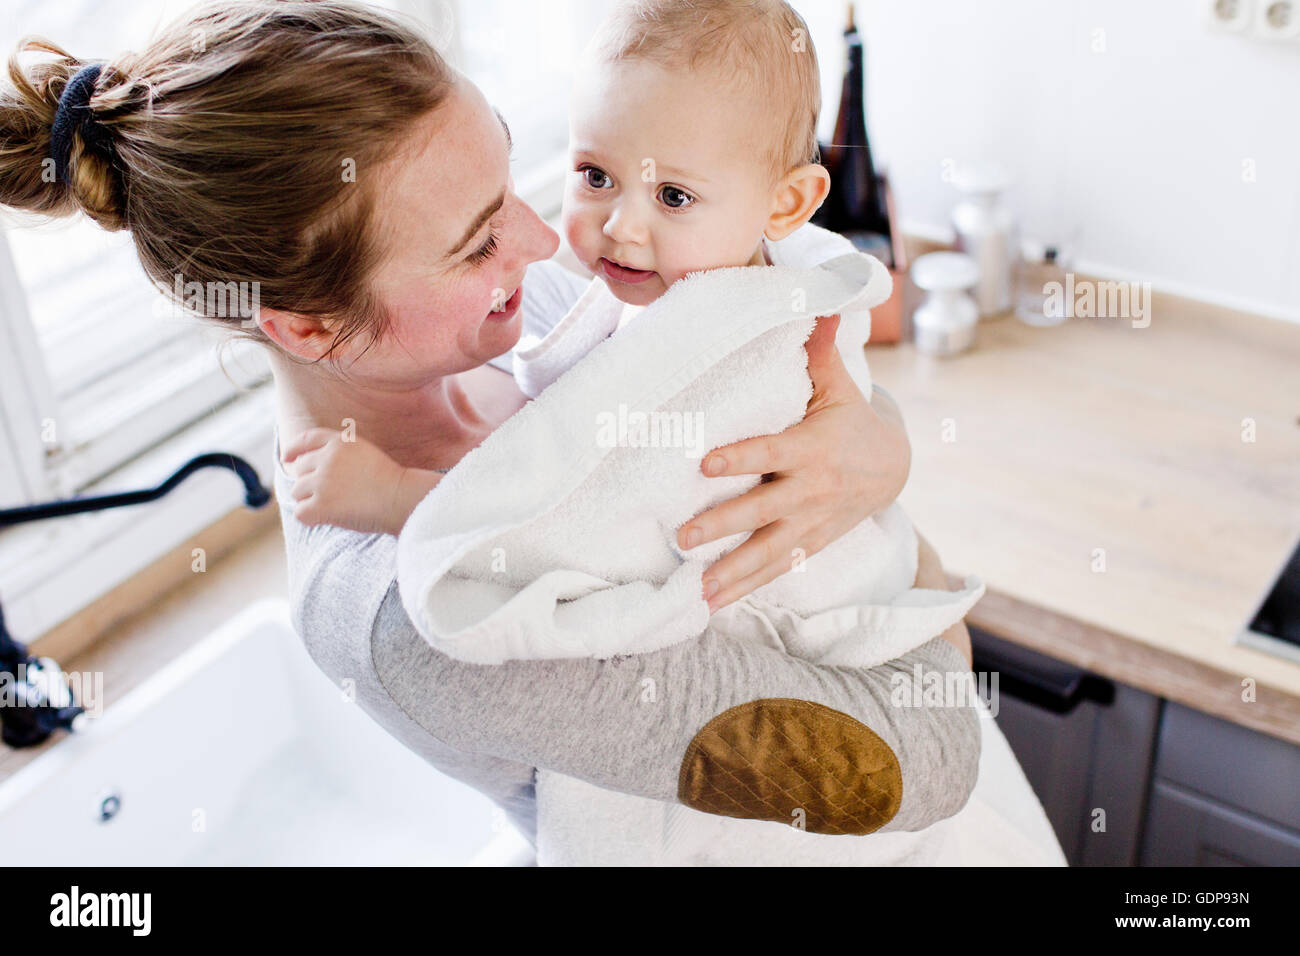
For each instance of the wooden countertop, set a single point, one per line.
(1041, 446)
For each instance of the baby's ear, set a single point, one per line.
(798, 194)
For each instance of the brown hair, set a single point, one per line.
(230, 140)
(762, 46)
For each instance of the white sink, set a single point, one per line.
(241, 752)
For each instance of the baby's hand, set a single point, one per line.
(352, 484)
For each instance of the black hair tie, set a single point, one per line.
(74, 115)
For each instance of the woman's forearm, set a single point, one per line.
(628, 724)
(929, 574)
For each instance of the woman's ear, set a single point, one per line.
(797, 196)
(300, 335)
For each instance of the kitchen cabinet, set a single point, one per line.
(1085, 745)
(1223, 795)
(1184, 829)
(1129, 779)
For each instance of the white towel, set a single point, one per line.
(556, 536)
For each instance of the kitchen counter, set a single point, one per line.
(1101, 480)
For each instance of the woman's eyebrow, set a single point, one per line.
(491, 209)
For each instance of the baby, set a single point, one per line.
(693, 147)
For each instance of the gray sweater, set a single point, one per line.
(490, 726)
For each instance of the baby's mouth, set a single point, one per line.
(621, 273)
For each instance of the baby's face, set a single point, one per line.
(667, 176)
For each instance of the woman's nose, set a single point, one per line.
(537, 240)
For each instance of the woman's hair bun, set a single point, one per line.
(246, 143)
(39, 72)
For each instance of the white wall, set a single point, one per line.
(1137, 148)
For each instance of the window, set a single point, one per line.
(522, 55)
(104, 387)
(118, 368)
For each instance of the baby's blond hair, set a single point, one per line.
(763, 46)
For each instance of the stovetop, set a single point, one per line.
(1276, 625)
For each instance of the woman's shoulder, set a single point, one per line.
(337, 578)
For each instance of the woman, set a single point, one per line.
(328, 154)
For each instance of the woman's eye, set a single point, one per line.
(484, 252)
(675, 198)
(596, 178)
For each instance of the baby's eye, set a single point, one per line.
(596, 178)
(675, 198)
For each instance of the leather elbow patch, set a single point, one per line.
(777, 759)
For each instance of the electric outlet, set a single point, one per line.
(1277, 19)
(1233, 16)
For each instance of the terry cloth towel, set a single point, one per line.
(556, 536)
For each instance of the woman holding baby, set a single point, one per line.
(390, 305)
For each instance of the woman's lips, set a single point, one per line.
(510, 308)
(623, 274)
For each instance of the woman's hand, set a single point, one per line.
(843, 463)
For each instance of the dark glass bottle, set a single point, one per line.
(855, 206)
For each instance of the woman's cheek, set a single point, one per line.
(419, 335)
(484, 294)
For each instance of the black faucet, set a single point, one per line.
(35, 699)
(255, 496)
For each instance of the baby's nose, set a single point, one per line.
(626, 224)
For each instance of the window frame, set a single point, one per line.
(25, 397)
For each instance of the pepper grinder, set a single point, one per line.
(987, 232)
(944, 324)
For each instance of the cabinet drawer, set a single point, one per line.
(1184, 829)
(1233, 765)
